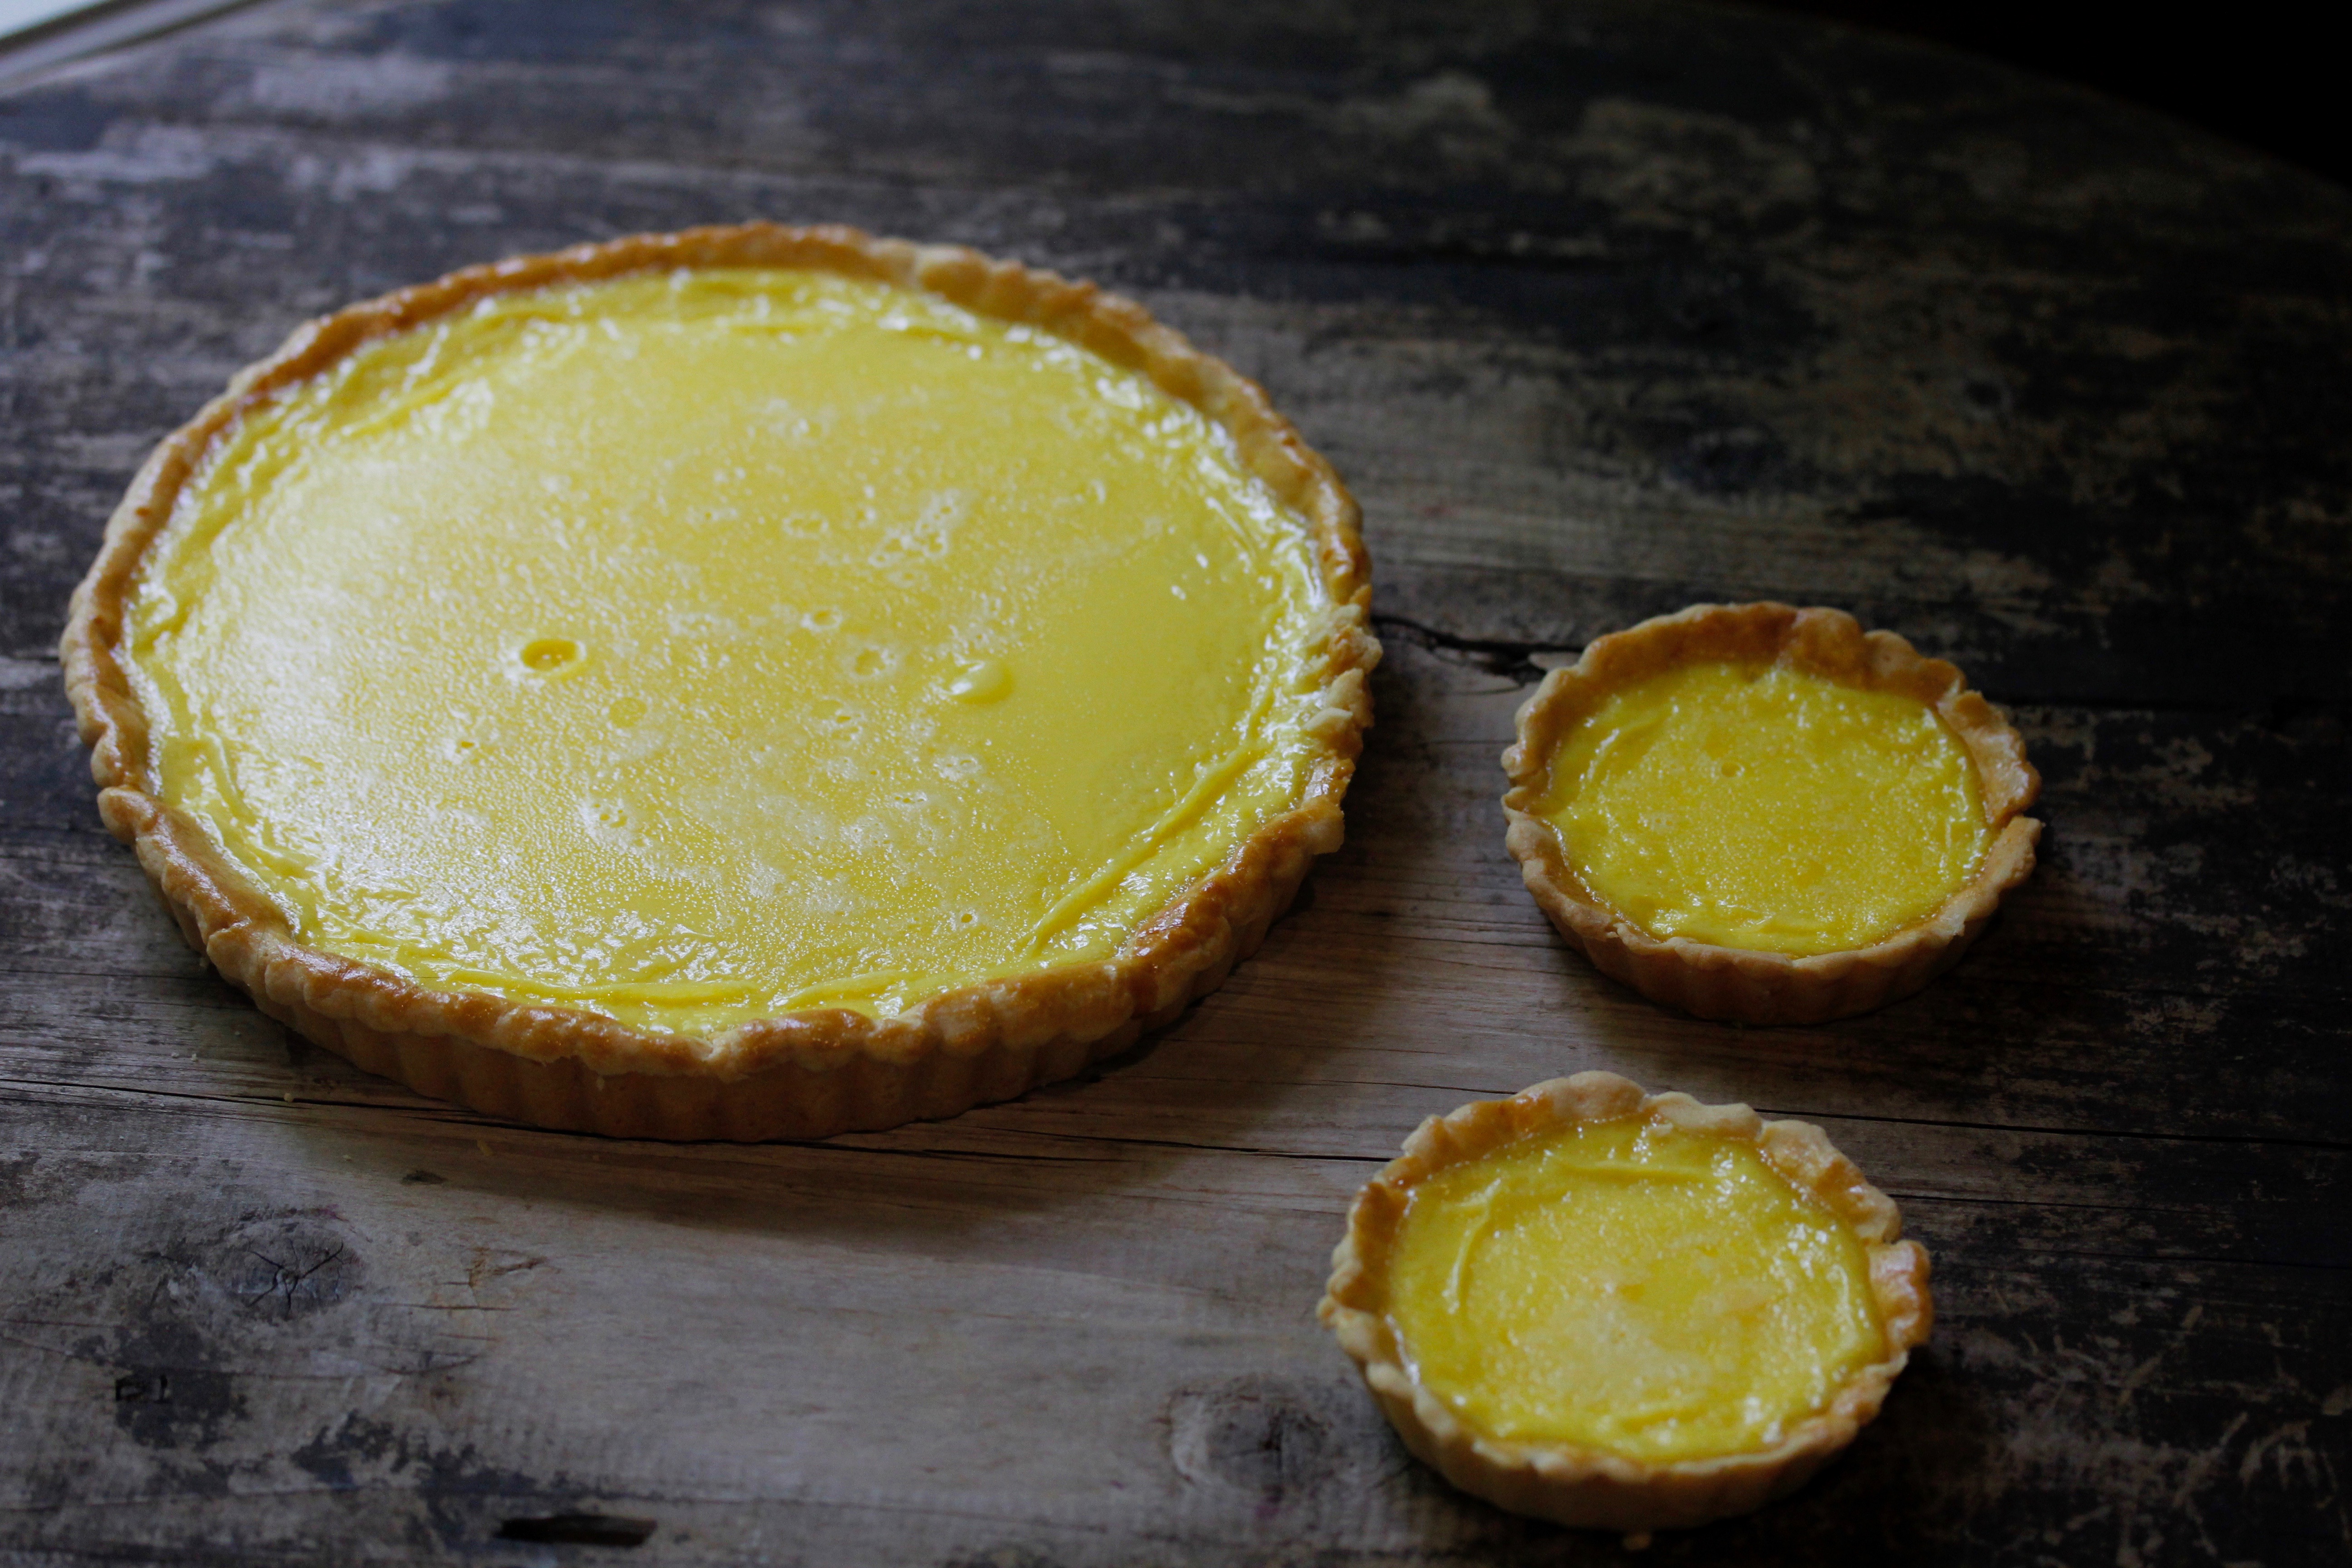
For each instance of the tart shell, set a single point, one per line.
(806, 1074)
(1562, 1481)
(1742, 985)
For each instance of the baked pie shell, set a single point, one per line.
(806, 1074)
(1743, 984)
(1566, 1482)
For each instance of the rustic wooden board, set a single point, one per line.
(1602, 309)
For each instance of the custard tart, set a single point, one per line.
(1765, 815)
(746, 683)
(1622, 1310)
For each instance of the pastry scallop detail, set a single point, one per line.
(745, 683)
(1622, 1310)
(1763, 814)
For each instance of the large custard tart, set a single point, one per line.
(1764, 814)
(746, 683)
(1623, 1311)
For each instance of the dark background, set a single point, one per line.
(2260, 75)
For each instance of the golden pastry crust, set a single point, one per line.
(807, 1074)
(1562, 1481)
(1742, 985)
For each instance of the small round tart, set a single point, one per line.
(753, 682)
(1623, 1311)
(1763, 814)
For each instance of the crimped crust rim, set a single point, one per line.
(1783, 989)
(1169, 959)
(1565, 1481)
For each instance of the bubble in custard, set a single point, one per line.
(978, 680)
(548, 656)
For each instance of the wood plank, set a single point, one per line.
(2172, 964)
(513, 1309)
(1075, 1222)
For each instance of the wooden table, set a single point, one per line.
(1601, 310)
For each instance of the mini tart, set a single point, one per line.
(567, 802)
(1750, 984)
(1595, 1483)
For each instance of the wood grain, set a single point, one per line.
(1600, 311)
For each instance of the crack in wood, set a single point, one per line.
(1515, 661)
(579, 1529)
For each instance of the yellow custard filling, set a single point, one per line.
(1630, 1287)
(695, 646)
(1760, 806)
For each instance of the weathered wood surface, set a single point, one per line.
(1600, 311)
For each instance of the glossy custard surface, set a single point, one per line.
(694, 647)
(1765, 807)
(1630, 1287)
